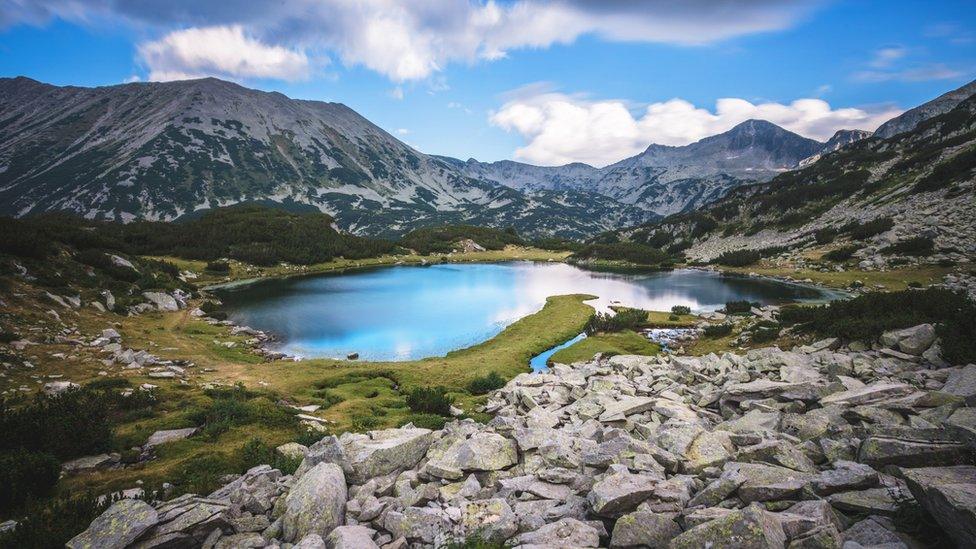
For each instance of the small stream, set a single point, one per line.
(539, 362)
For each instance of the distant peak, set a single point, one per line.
(755, 125)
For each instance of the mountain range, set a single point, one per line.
(664, 179)
(917, 187)
(166, 150)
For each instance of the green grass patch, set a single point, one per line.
(626, 342)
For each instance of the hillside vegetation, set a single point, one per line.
(444, 239)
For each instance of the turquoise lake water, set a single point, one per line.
(410, 312)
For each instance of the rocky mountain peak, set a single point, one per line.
(912, 117)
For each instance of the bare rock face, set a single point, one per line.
(316, 503)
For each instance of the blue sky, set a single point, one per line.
(542, 82)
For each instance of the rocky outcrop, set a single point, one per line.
(768, 449)
(118, 527)
(949, 495)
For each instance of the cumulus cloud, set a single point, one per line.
(413, 39)
(560, 128)
(219, 51)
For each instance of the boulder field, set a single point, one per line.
(818, 447)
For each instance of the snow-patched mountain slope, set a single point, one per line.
(161, 150)
(664, 179)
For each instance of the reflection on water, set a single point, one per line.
(409, 312)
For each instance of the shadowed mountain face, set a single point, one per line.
(164, 150)
(667, 180)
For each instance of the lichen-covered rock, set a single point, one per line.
(846, 475)
(492, 519)
(162, 301)
(420, 524)
(162, 437)
(316, 503)
(119, 526)
(382, 452)
(767, 482)
(567, 532)
(962, 383)
(351, 537)
(748, 528)
(643, 529)
(620, 492)
(311, 541)
(949, 495)
(483, 451)
(914, 340)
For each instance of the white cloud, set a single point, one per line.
(413, 39)
(224, 51)
(885, 57)
(922, 73)
(888, 64)
(131, 79)
(396, 93)
(402, 131)
(559, 128)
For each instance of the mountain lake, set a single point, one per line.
(412, 312)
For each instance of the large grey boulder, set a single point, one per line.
(868, 394)
(767, 482)
(419, 524)
(171, 435)
(311, 541)
(119, 526)
(949, 495)
(186, 521)
(162, 301)
(351, 537)
(873, 501)
(382, 452)
(493, 519)
(316, 504)
(913, 341)
(566, 532)
(912, 449)
(53, 388)
(643, 529)
(874, 531)
(620, 492)
(846, 475)
(709, 449)
(619, 410)
(748, 528)
(483, 451)
(962, 383)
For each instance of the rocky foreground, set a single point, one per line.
(818, 447)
